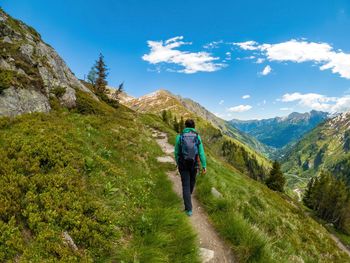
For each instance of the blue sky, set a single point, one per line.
(283, 56)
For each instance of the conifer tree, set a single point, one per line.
(176, 125)
(276, 179)
(118, 91)
(307, 198)
(101, 71)
(165, 116)
(181, 124)
(92, 75)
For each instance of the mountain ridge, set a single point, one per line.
(325, 147)
(163, 99)
(278, 132)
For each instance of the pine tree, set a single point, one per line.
(346, 145)
(176, 125)
(101, 71)
(118, 91)
(92, 75)
(181, 124)
(276, 179)
(165, 116)
(307, 198)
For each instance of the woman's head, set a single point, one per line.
(189, 123)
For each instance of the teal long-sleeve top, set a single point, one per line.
(200, 148)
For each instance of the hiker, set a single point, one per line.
(188, 150)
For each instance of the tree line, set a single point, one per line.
(177, 125)
(329, 197)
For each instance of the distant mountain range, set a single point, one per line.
(280, 131)
(325, 147)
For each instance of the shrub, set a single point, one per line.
(58, 91)
(6, 78)
(86, 104)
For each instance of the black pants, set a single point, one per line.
(188, 179)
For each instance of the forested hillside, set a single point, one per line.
(281, 133)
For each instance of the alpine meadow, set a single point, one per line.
(159, 131)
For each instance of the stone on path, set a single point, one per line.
(206, 254)
(165, 159)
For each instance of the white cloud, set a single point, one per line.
(213, 44)
(319, 102)
(239, 108)
(228, 56)
(260, 60)
(221, 102)
(246, 96)
(286, 109)
(192, 62)
(298, 51)
(266, 71)
(248, 45)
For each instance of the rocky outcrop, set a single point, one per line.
(30, 70)
(17, 101)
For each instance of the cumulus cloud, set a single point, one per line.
(298, 51)
(319, 102)
(246, 96)
(239, 108)
(266, 71)
(166, 52)
(286, 109)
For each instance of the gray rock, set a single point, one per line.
(69, 241)
(27, 51)
(206, 254)
(37, 56)
(68, 99)
(215, 192)
(18, 101)
(7, 40)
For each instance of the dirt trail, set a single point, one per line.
(340, 244)
(212, 247)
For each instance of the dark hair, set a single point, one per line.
(190, 123)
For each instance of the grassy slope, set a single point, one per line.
(94, 176)
(303, 160)
(261, 225)
(165, 100)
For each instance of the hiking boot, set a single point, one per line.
(188, 212)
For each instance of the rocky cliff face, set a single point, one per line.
(31, 72)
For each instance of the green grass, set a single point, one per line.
(94, 176)
(261, 225)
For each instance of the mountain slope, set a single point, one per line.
(325, 147)
(223, 125)
(165, 100)
(31, 71)
(280, 131)
(91, 177)
(259, 224)
(232, 149)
